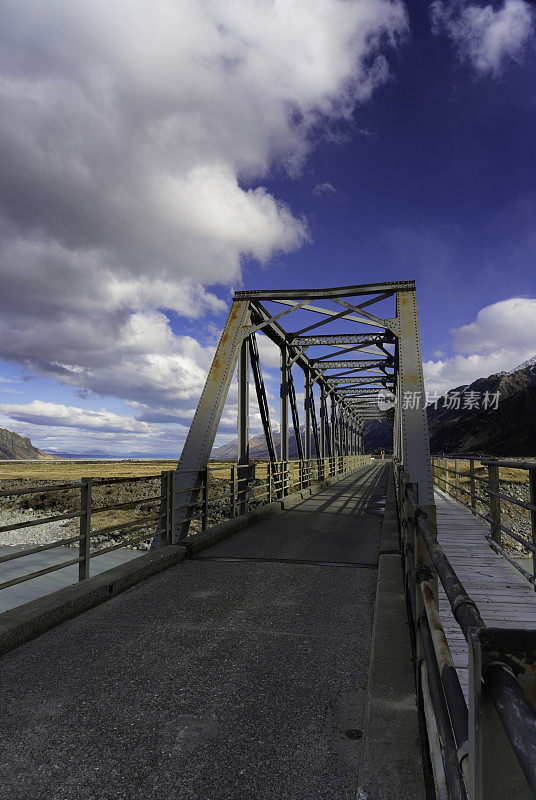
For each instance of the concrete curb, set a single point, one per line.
(26, 622)
(391, 717)
(199, 542)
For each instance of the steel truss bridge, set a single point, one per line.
(357, 390)
(221, 663)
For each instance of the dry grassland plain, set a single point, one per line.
(56, 470)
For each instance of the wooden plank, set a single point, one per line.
(503, 596)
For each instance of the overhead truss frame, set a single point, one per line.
(393, 365)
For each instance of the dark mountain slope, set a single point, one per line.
(14, 446)
(507, 430)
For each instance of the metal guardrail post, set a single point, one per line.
(494, 503)
(165, 509)
(472, 484)
(446, 486)
(171, 488)
(532, 485)
(85, 528)
(457, 477)
(232, 485)
(206, 488)
(270, 482)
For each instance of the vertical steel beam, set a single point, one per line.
(415, 444)
(323, 420)
(284, 403)
(307, 407)
(397, 422)
(262, 399)
(414, 439)
(294, 414)
(333, 426)
(243, 427)
(200, 438)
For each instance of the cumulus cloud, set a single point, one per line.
(502, 336)
(135, 138)
(135, 357)
(483, 35)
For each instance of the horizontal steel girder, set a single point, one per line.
(316, 294)
(366, 364)
(358, 381)
(349, 395)
(334, 340)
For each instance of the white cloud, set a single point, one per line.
(502, 337)
(135, 357)
(39, 412)
(269, 352)
(508, 324)
(135, 138)
(324, 189)
(483, 35)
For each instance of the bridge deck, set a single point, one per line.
(503, 596)
(233, 675)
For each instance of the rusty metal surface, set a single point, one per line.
(200, 438)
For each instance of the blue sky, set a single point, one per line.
(155, 160)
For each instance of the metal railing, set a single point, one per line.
(222, 492)
(469, 752)
(481, 494)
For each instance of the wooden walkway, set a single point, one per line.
(503, 596)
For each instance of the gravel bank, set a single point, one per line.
(36, 535)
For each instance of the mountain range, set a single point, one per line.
(509, 429)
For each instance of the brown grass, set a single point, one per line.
(509, 474)
(74, 470)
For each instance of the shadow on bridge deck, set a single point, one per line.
(236, 674)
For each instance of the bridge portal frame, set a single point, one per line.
(399, 373)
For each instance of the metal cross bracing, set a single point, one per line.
(346, 387)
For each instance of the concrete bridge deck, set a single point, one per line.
(236, 674)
